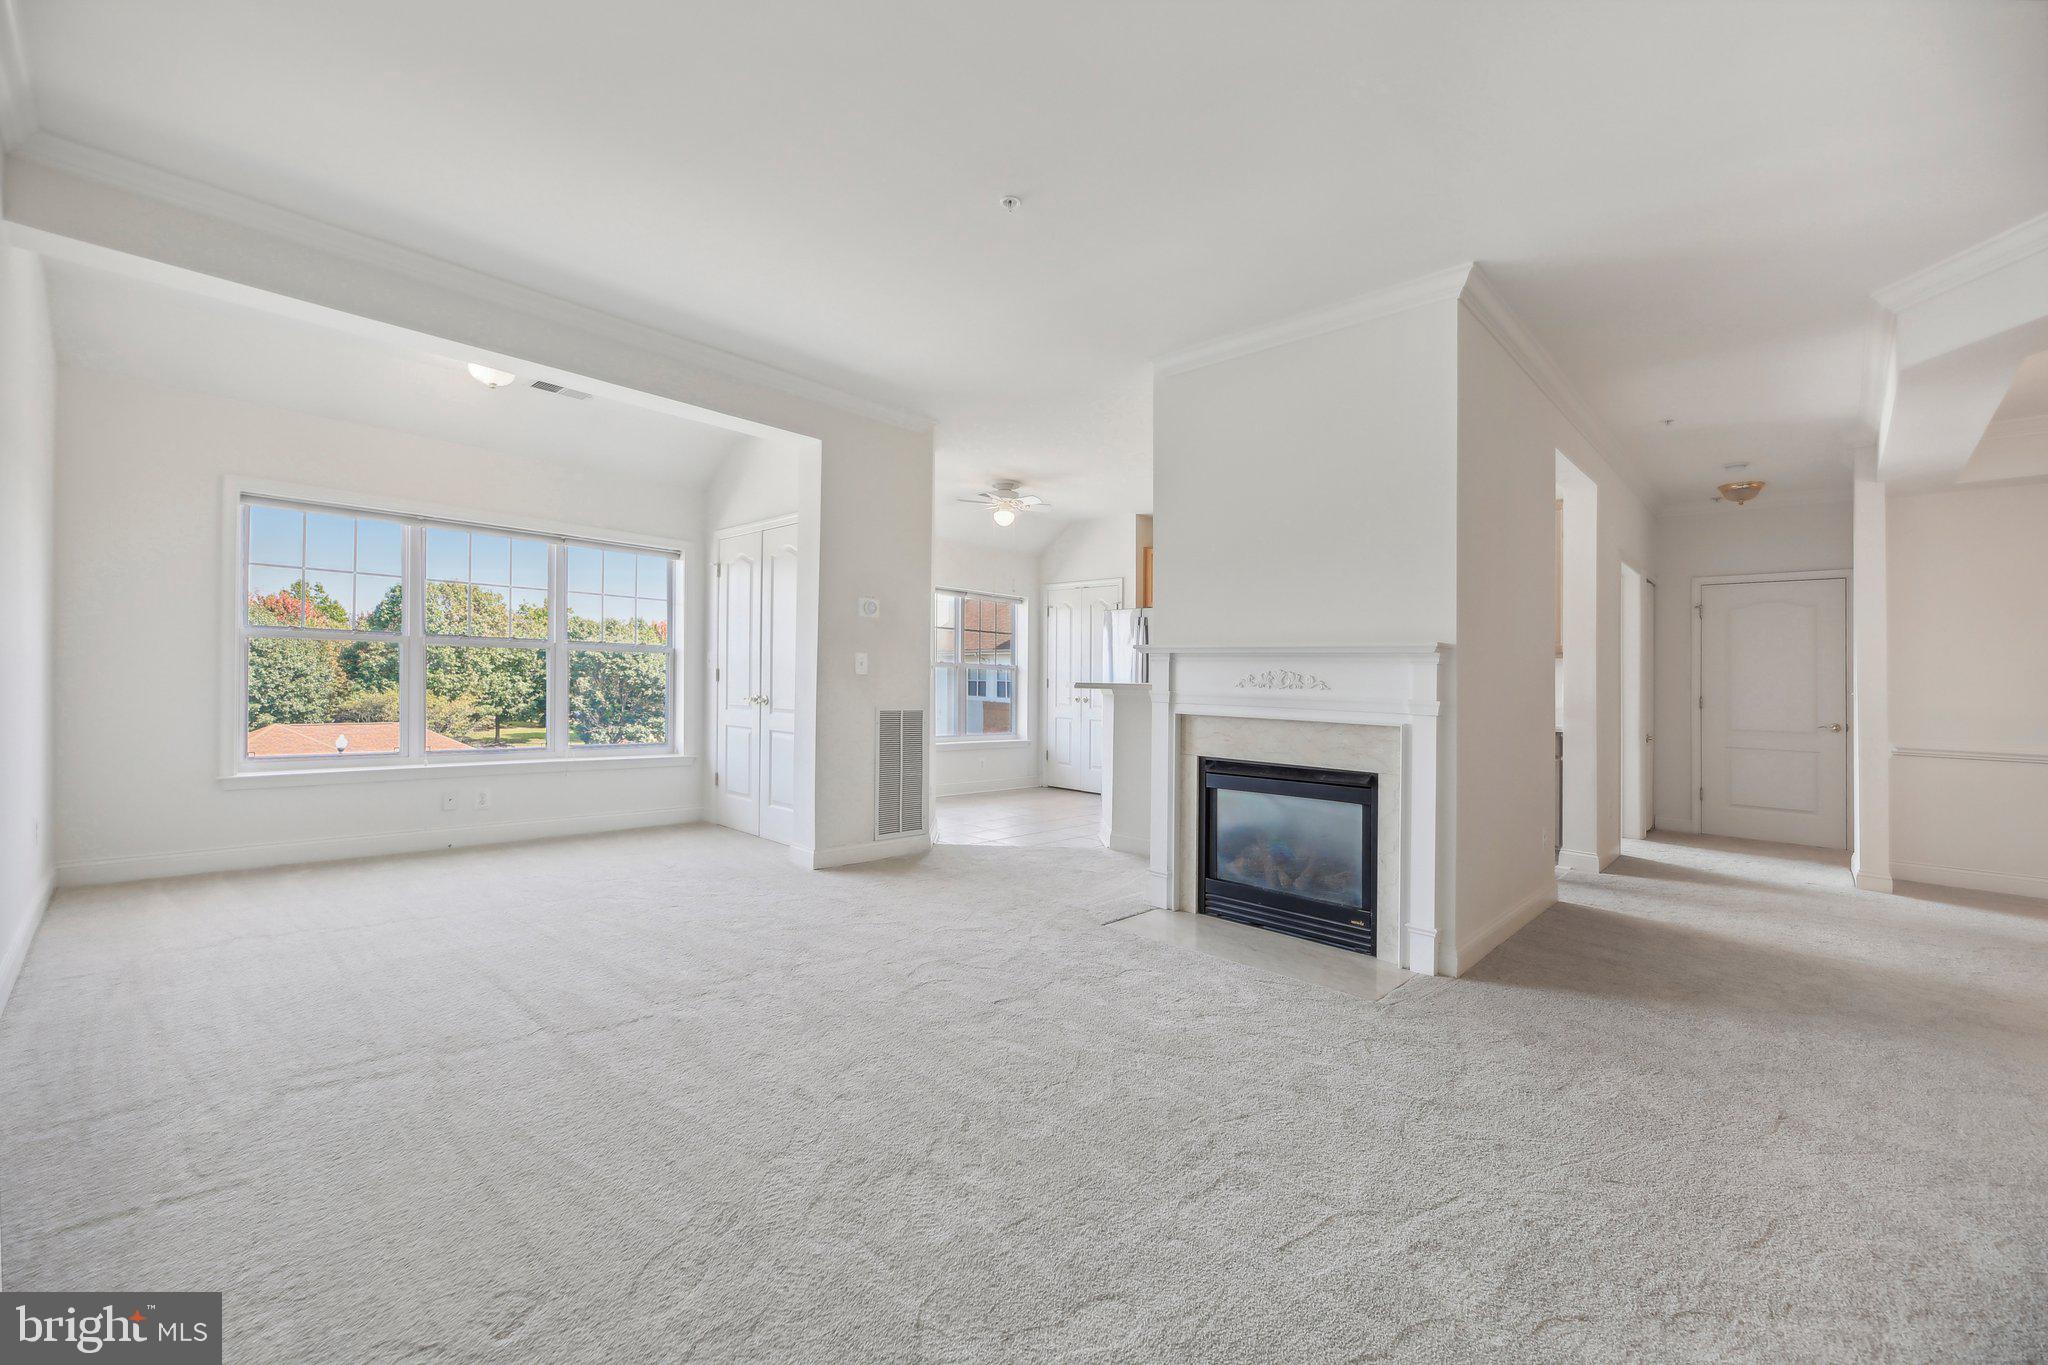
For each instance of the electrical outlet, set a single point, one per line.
(448, 801)
(483, 799)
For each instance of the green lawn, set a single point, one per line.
(516, 735)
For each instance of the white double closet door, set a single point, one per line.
(1076, 617)
(754, 681)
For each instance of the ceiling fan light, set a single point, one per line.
(1005, 516)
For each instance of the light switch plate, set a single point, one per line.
(860, 664)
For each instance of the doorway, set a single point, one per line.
(1638, 694)
(1076, 616)
(1772, 678)
(754, 680)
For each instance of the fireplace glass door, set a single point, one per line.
(1290, 849)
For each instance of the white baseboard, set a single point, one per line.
(1969, 879)
(1159, 888)
(1471, 949)
(1000, 784)
(1574, 860)
(846, 855)
(1868, 881)
(1131, 843)
(1420, 944)
(15, 952)
(284, 853)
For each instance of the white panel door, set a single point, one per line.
(1774, 711)
(737, 709)
(777, 634)
(1075, 619)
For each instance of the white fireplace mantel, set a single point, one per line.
(1400, 686)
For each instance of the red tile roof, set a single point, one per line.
(364, 737)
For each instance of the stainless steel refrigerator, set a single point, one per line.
(1126, 632)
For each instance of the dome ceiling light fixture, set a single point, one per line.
(488, 377)
(1741, 492)
(1005, 501)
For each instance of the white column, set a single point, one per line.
(1871, 862)
(1165, 783)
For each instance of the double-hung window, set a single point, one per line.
(976, 651)
(368, 639)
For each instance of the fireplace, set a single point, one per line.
(1290, 849)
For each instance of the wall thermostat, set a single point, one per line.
(870, 607)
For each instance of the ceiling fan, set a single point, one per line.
(1005, 501)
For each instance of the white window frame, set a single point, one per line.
(413, 759)
(1020, 650)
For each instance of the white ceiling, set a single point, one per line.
(189, 341)
(1689, 203)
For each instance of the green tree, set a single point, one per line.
(617, 698)
(497, 686)
(292, 681)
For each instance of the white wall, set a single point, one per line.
(27, 396)
(1095, 549)
(1968, 578)
(1306, 494)
(1724, 539)
(1510, 436)
(757, 481)
(141, 554)
(985, 765)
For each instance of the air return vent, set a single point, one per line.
(899, 774)
(546, 387)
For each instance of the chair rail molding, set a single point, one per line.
(1971, 755)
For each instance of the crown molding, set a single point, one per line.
(1973, 263)
(1484, 302)
(150, 182)
(1707, 507)
(1440, 287)
(17, 94)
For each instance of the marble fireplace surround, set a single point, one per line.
(1365, 708)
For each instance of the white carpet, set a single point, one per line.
(660, 1096)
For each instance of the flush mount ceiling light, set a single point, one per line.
(1740, 493)
(1005, 502)
(488, 377)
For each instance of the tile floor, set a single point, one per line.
(1034, 817)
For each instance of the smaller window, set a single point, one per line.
(975, 653)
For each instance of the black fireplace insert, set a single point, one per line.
(1291, 849)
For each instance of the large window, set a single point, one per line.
(975, 653)
(377, 640)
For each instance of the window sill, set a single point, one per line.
(1007, 742)
(416, 771)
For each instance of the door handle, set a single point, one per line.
(1835, 729)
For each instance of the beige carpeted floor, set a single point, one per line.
(660, 1096)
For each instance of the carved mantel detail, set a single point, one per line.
(1283, 680)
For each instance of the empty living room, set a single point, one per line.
(1352, 680)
